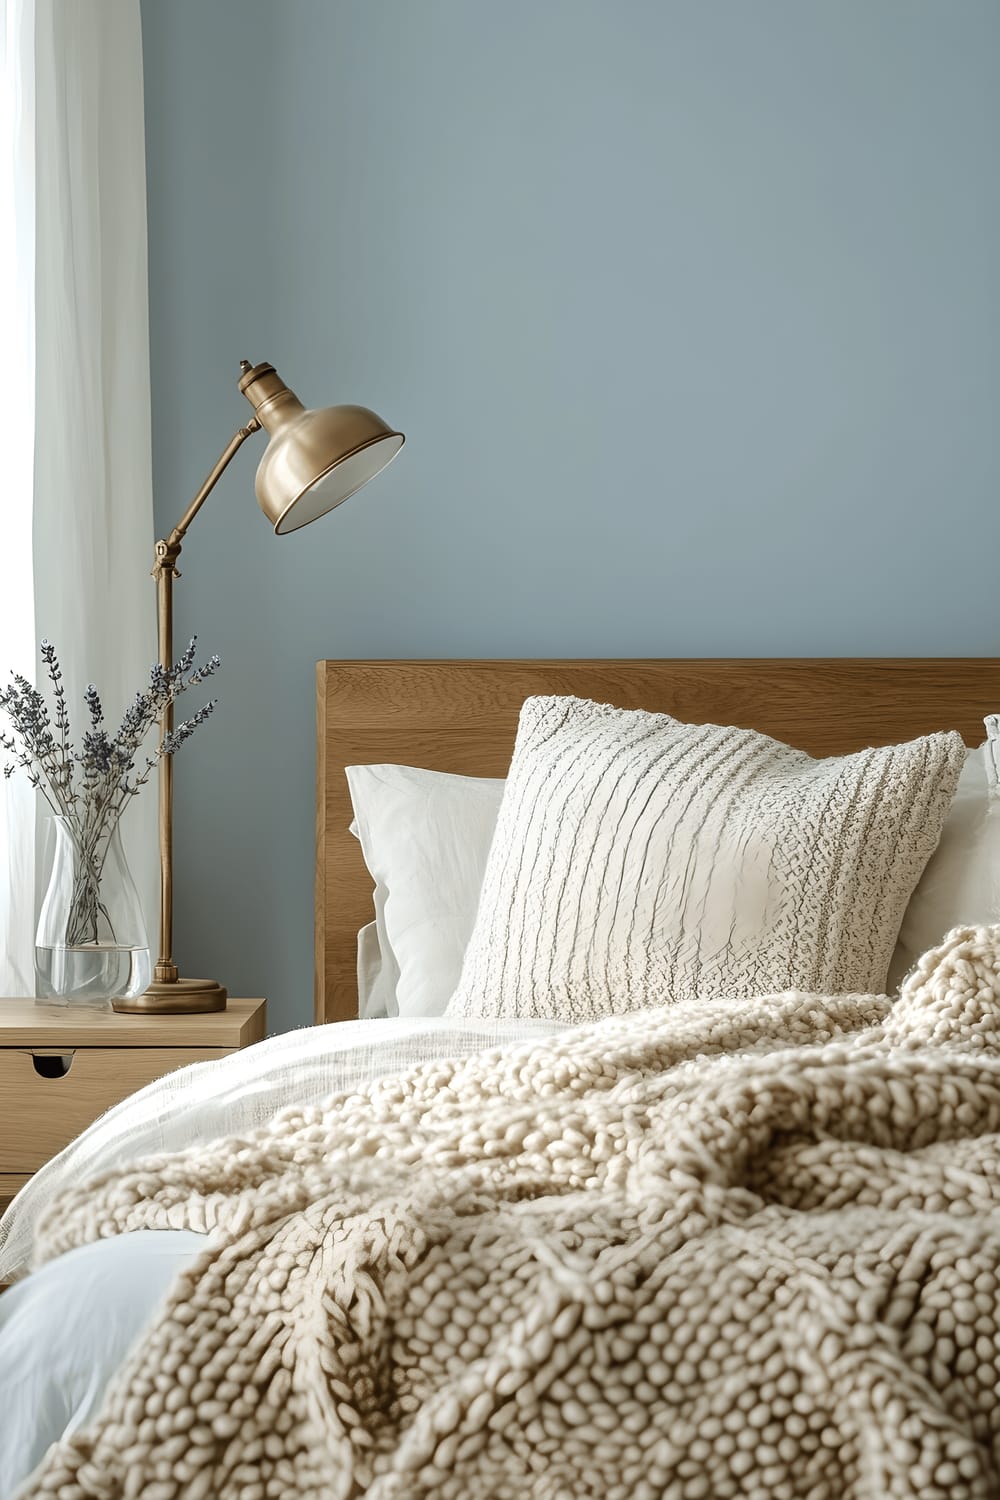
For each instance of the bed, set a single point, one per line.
(451, 717)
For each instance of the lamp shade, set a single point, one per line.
(314, 460)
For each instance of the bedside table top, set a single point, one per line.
(35, 1023)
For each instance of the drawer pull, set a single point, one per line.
(52, 1064)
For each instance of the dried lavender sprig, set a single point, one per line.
(105, 763)
(48, 654)
(172, 742)
(212, 665)
(115, 759)
(92, 698)
(146, 709)
(169, 745)
(29, 717)
(91, 788)
(165, 685)
(98, 753)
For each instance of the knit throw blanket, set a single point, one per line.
(713, 1250)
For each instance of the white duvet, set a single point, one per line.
(64, 1332)
(67, 1327)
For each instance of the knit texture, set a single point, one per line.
(717, 1250)
(635, 856)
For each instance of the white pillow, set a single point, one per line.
(425, 836)
(639, 859)
(961, 884)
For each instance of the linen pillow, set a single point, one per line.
(425, 836)
(961, 884)
(377, 974)
(638, 859)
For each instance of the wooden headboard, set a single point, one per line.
(461, 716)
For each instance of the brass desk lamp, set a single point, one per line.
(313, 461)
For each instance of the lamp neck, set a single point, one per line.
(273, 403)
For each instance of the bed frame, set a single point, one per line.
(461, 716)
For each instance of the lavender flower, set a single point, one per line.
(173, 741)
(93, 701)
(91, 787)
(97, 758)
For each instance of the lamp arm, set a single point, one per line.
(165, 571)
(218, 469)
(168, 549)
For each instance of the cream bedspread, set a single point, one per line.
(718, 1249)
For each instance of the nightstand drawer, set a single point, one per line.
(40, 1114)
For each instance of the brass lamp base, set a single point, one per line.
(178, 997)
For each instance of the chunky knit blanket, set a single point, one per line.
(711, 1250)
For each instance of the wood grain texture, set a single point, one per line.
(39, 1116)
(33, 1023)
(461, 716)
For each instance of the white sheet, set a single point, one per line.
(66, 1329)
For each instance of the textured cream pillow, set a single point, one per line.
(638, 859)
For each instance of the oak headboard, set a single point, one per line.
(461, 716)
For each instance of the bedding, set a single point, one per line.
(635, 851)
(421, 833)
(720, 1248)
(377, 976)
(66, 1330)
(961, 885)
(454, 819)
(239, 1093)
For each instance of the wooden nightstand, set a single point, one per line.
(62, 1066)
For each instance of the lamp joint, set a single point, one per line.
(167, 552)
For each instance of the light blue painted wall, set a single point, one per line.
(689, 310)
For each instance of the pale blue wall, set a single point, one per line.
(689, 310)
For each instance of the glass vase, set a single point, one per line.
(90, 943)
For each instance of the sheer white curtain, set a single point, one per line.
(78, 519)
(17, 402)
